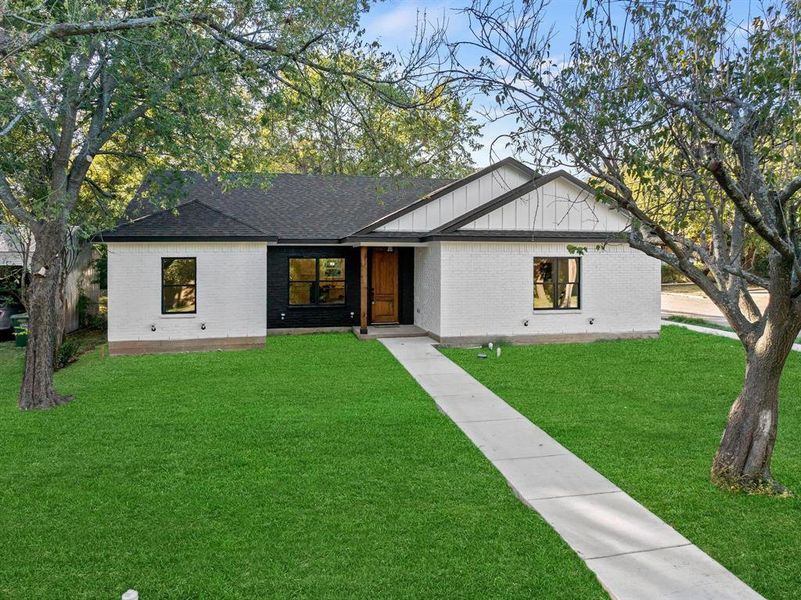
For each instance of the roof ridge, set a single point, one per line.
(153, 214)
(217, 174)
(233, 218)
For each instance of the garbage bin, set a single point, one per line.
(20, 324)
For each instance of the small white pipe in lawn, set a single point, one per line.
(130, 595)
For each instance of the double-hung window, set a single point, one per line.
(178, 285)
(557, 283)
(316, 281)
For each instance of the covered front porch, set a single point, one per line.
(386, 292)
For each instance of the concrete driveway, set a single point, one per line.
(699, 306)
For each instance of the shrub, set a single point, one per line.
(67, 353)
(671, 275)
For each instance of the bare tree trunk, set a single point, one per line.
(43, 302)
(743, 458)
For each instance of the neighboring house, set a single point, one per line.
(480, 258)
(15, 251)
(12, 247)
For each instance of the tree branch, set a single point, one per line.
(789, 190)
(12, 123)
(10, 46)
(12, 204)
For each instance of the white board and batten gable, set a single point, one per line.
(554, 202)
(459, 200)
(557, 205)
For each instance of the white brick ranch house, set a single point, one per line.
(484, 257)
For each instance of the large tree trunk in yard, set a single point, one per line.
(743, 458)
(43, 302)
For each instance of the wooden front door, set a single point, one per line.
(384, 273)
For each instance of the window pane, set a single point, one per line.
(543, 295)
(178, 299)
(543, 269)
(332, 268)
(300, 293)
(568, 295)
(332, 292)
(302, 269)
(178, 271)
(568, 270)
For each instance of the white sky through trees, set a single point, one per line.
(393, 24)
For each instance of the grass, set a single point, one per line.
(648, 414)
(314, 468)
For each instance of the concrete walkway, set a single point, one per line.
(633, 553)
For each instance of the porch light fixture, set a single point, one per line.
(203, 326)
(152, 327)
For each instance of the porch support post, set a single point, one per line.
(363, 311)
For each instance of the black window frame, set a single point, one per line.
(314, 294)
(555, 283)
(193, 285)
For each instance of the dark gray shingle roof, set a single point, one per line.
(285, 206)
(191, 220)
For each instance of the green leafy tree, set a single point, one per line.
(318, 125)
(94, 93)
(688, 120)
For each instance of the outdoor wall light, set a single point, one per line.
(282, 316)
(203, 326)
(591, 320)
(152, 327)
(352, 314)
(525, 322)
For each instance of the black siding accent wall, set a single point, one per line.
(310, 316)
(406, 283)
(329, 316)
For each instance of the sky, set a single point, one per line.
(393, 24)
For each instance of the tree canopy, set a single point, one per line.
(319, 125)
(686, 119)
(95, 93)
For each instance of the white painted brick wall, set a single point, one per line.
(487, 289)
(427, 298)
(231, 291)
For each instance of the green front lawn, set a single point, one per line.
(312, 468)
(648, 414)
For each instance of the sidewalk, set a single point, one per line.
(699, 306)
(633, 553)
(711, 331)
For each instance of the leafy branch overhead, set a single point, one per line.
(172, 85)
(95, 94)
